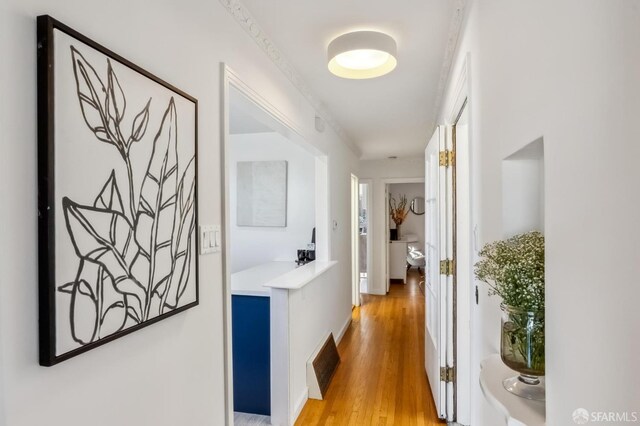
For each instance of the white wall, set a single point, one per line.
(566, 71)
(251, 246)
(171, 372)
(379, 171)
(413, 224)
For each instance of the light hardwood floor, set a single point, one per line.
(381, 378)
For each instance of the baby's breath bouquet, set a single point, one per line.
(514, 270)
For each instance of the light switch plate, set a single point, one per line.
(210, 239)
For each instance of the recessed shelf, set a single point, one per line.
(523, 190)
(516, 411)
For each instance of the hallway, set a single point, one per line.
(381, 378)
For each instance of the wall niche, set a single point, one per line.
(523, 190)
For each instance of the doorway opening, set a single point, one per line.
(364, 234)
(360, 237)
(275, 218)
(405, 242)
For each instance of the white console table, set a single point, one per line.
(398, 251)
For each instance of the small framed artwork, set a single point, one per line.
(117, 195)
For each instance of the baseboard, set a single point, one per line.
(300, 405)
(378, 292)
(343, 330)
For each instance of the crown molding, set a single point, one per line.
(455, 29)
(242, 15)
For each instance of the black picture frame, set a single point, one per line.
(48, 199)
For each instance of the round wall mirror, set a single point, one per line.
(417, 206)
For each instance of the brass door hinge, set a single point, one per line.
(447, 374)
(447, 158)
(447, 266)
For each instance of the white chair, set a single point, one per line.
(415, 257)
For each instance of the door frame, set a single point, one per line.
(322, 211)
(465, 343)
(464, 338)
(385, 229)
(370, 230)
(228, 79)
(355, 241)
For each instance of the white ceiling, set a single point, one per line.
(386, 116)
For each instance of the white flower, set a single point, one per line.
(514, 270)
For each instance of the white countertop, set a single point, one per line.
(259, 280)
(517, 411)
(301, 276)
(250, 282)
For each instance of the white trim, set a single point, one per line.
(322, 185)
(280, 357)
(369, 183)
(355, 239)
(242, 15)
(226, 246)
(461, 92)
(343, 330)
(302, 400)
(231, 77)
(455, 29)
(446, 252)
(466, 351)
(403, 180)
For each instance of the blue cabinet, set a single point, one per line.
(251, 354)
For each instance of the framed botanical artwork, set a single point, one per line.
(117, 195)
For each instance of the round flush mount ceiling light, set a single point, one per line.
(362, 54)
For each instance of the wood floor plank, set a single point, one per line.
(381, 378)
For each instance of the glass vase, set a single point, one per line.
(522, 350)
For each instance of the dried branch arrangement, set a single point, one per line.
(398, 209)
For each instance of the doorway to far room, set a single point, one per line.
(364, 234)
(406, 231)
